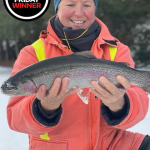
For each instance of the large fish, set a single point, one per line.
(81, 68)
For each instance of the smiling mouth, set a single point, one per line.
(78, 22)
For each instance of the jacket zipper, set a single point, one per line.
(97, 141)
(90, 125)
(90, 113)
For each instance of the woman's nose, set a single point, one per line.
(79, 11)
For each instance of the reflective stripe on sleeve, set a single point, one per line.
(39, 49)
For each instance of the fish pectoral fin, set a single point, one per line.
(88, 54)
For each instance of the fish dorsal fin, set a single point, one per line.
(88, 54)
(125, 63)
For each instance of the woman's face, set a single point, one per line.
(76, 13)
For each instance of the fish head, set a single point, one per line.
(8, 88)
(18, 87)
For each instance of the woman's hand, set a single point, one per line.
(111, 96)
(51, 101)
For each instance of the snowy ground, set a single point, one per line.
(9, 140)
(17, 141)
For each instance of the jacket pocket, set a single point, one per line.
(37, 144)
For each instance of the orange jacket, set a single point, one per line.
(81, 126)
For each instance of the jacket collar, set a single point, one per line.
(104, 37)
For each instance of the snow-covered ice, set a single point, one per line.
(9, 140)
(17, 141)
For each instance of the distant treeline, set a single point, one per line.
(127, 20)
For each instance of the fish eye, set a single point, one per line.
(11, 88)
(14, 88)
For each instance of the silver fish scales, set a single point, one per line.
(81, 68)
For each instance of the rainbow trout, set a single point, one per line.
(81, 68)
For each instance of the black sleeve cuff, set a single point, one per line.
(145, 145)
(47, 120)
(114, 118)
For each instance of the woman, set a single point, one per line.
(59, 120)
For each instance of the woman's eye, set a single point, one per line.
(87, 5)
(70, 5)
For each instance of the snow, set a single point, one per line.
(9, 139)
(17, 141)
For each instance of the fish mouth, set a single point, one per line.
(8, 88)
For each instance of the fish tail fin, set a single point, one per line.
(147, 88)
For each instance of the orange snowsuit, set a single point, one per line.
(81, 126)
